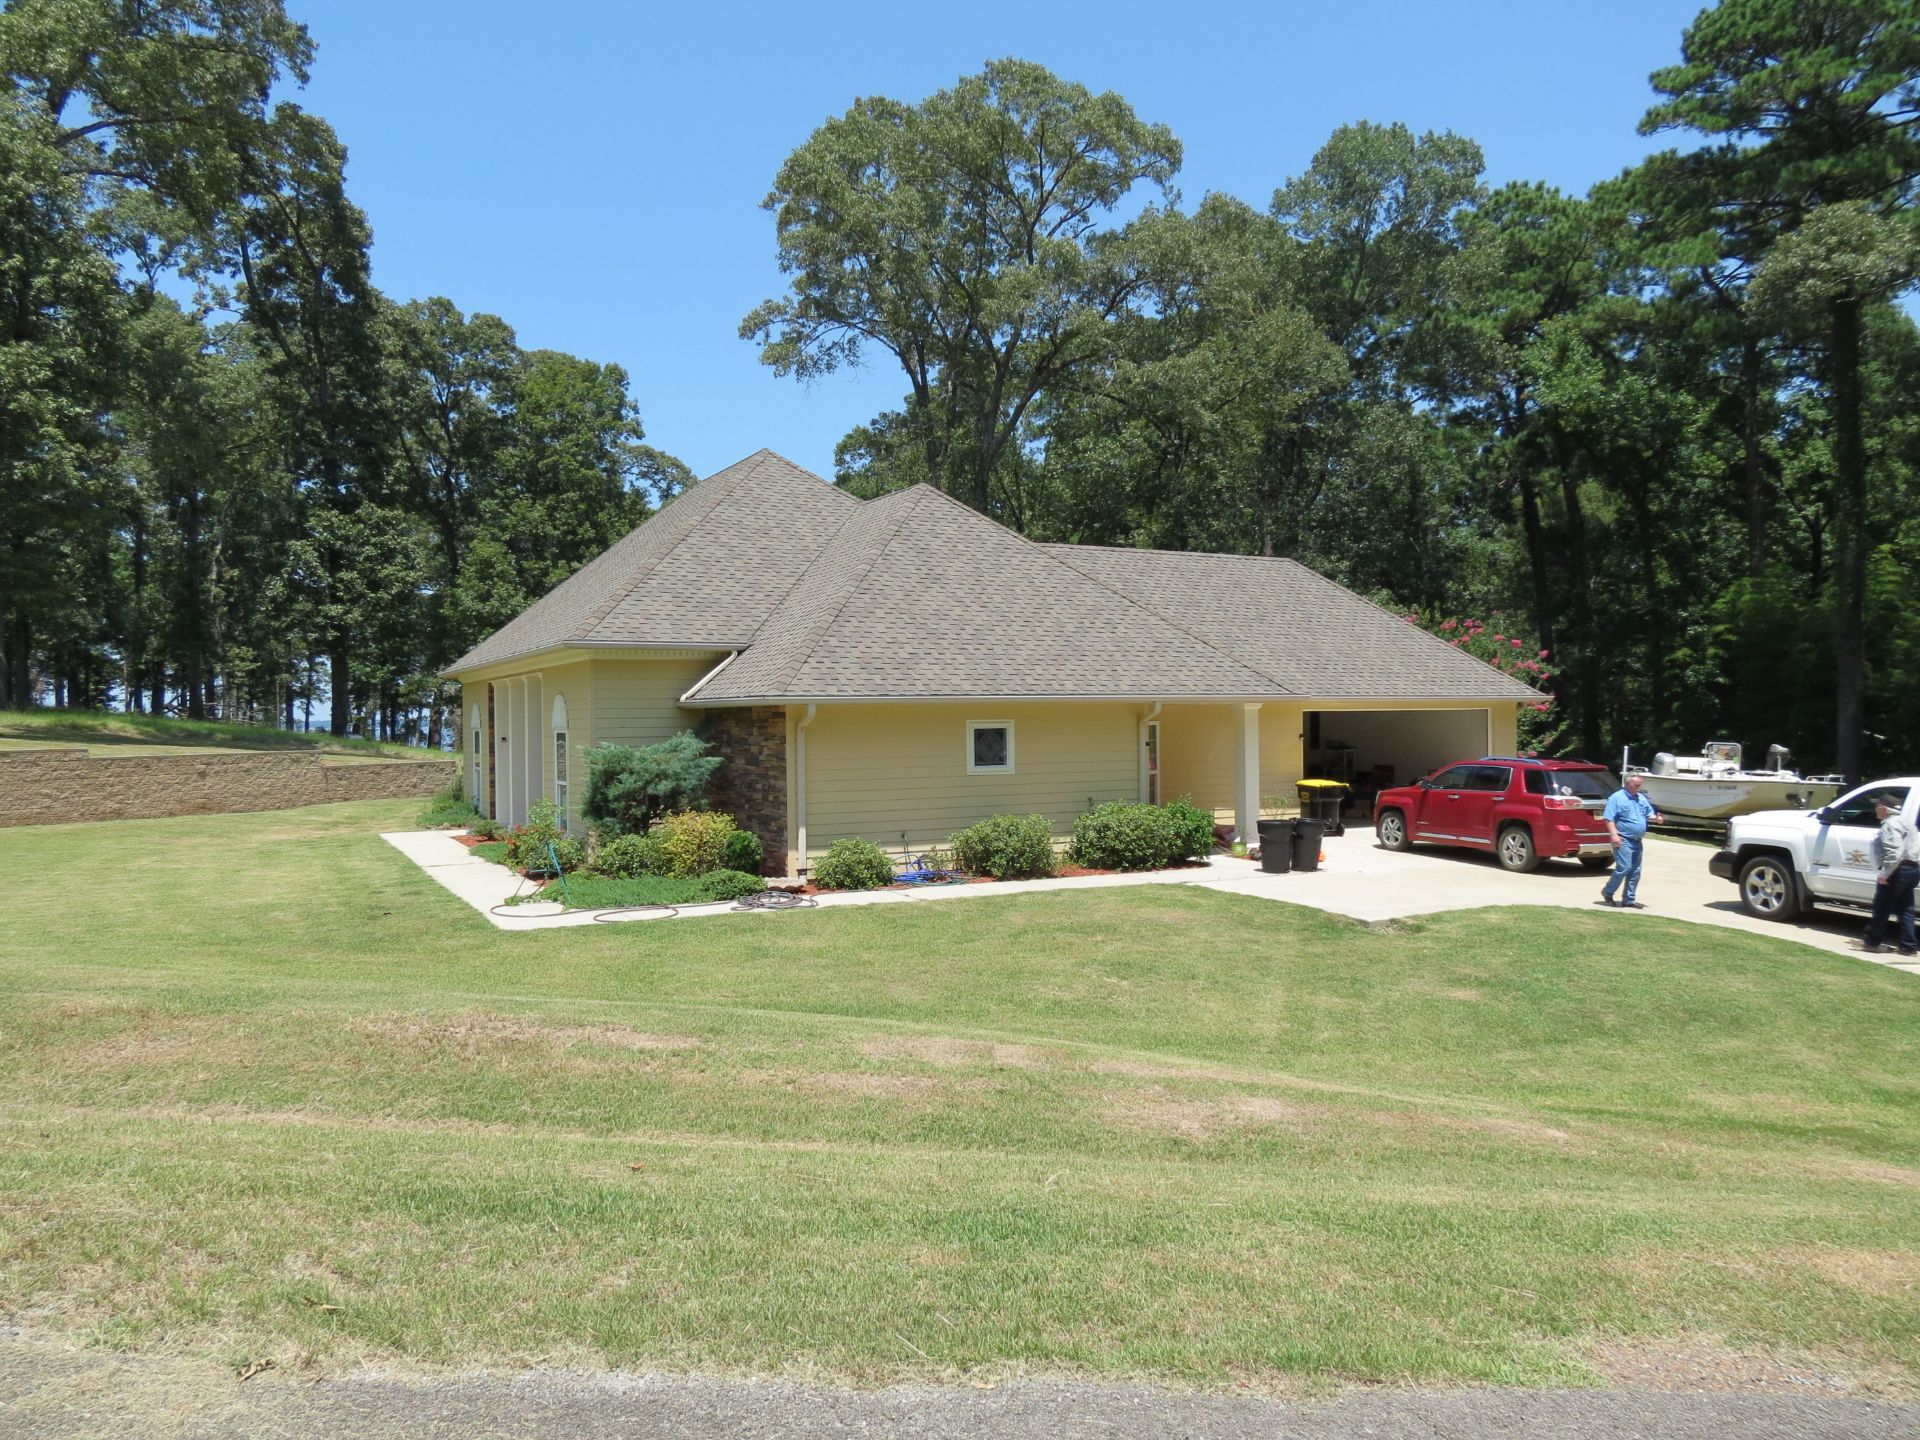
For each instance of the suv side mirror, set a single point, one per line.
(1426, 783)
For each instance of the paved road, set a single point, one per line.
(49, 1392)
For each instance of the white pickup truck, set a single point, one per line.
(1786, 861)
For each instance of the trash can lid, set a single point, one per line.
(1322, 784)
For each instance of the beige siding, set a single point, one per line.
(1198, 746)
(880, 770)
(574, 682)
(636, 702)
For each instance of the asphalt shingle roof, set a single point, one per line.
(915, 596)
(1315, 637)
(921, 597)
(703, 572)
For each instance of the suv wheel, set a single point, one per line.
(1768, 890)
(1515, 850)
(1391, 828)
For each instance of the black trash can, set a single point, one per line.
(1307, 835)
(1324, 800)
(1276, 846)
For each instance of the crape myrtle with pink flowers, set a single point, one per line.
(1505, 644)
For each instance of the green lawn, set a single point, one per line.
(267, 1091)
(128, 734)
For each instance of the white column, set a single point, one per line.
(1246, 789)
(536, 742)
(504, 729)
(515, 765)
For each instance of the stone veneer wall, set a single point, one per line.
(58, 786)
(752, 785)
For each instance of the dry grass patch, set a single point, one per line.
(951, 1052)
(1708, 1368)
(480, 1031)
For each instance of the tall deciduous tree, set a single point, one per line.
(963, 237)
(1815, 103)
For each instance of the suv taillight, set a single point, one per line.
(1564, 802)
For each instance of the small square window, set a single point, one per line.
(989, 747)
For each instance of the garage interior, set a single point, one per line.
(1374, 750)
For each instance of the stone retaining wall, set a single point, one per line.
(55, 787)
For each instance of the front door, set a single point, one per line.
(1841, 864)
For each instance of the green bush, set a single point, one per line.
(628, 789)
(626, 857)
(728, 885)
(1007, 847)
(853, 864)
(694, 841)
(743, 852)
(449, 809)
(1127, 835)
(1193, 828)
(527, 845)
(488, 829)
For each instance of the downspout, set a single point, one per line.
(1153, 714)
(800, 789)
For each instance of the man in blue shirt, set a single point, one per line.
(1628, 814)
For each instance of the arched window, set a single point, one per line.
(473, 754)
(560, 765)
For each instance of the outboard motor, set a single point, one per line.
(1777, 756)
(1664, 764)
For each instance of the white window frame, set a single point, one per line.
(974, 726)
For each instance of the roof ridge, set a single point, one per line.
(718, 486)
(793, 668)
(1181, 626)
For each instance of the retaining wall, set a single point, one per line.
(57, 786)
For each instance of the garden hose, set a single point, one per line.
(619, 913)
(776, 900)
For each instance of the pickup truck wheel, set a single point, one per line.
(1768, 890)
(1391, 829)
(1515, 850)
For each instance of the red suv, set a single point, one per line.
(1524, 811)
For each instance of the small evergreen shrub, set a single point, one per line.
(854, 864)
(728, 885)
(1192, 828)
(694, 841)
(1007, 847)
(627, 857)
(743, 852)
(488, 828)
(1128, 835)
(628, 789)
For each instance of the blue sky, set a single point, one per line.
(592, 171)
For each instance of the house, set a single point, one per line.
(899, 667)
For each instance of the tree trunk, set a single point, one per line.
(339, 681)
(1753, 471)
(1587, 670)
(1850, 540)
(1535, 533)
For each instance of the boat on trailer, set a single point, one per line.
(1716, 785)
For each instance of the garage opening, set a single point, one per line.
(1372, 750)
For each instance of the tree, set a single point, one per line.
(961, 236)
(1819, 104)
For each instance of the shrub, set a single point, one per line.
(743, 852)
(694, 841)
(627, 857)
(1127, 835)
(854, 864)
(628, 789)
(489, 829)
(1007, 847)
(527, 845)
(1192, 828)
(728, 885)
(449, 809)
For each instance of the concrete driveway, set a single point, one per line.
(1365, 882)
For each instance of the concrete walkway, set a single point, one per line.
(1358, 880)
